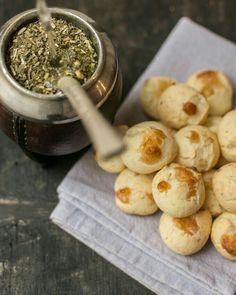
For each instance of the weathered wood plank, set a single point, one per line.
(36, 257)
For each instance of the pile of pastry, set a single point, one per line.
(182, 162)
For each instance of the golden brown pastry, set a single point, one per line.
(151, 92)
(223, 235)
(217, 89)
(181, 105)
(114, 164)
(133, 193)
(178, 191)
(187, 235)
(150, 146)
(198, 148)
(227, 136)
(224, 186)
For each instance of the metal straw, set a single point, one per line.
(46, 20)
(107, 142)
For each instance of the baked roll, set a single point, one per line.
(198, 148)
(187, 235)
(151, 92)
(181, 105)
(150, 146)
(133, 193)
(114, 164)
(223, 235)
(178, 191)
(224, 186)
(227, 136)
(217, 89)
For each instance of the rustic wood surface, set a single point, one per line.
(36, 257)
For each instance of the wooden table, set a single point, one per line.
(36, 257)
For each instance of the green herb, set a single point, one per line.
(31, 65)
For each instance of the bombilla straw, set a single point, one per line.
(105, 139)
(46, 20)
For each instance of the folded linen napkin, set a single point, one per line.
(87, 208)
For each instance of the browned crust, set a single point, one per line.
(228, 242)
(124, 195)
(211, 81)
(163, 186)
(188, 225)
(185, 175)
(206, 74)
(150, 148)
(190, 108)
(194, 137)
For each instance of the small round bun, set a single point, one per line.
(188, 235)
(133, 193)
(227, 136)
(211, 203)
(112, 165)
(151, 92)
(217, 89)
(198, 148)
(213, 123)
(223, 235)
(224, 186)
(181, 105)
(150, 146)
(115, 164)
(178, 191)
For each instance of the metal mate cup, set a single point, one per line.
(47, 124)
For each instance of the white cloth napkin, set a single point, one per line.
(87, 209)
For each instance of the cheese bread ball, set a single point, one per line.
(181, 105)
(217, 89)
(227, 136)
(151, 92)
(114, 164)
(211, 203)
(187, 235)
(213, 123)
(150, 146)
(223, 235)
(198, 148)
(224, 186)
(133, 193)
(178, 191)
